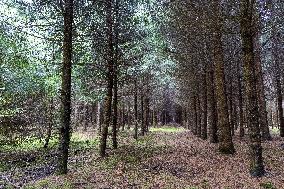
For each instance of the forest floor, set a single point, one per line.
(165, 158)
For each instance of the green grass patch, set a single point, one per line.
(28, 144)
(267, 185)
(78, 140)
(274, 131)
(45, 183)
(167, 129)
(132, 154)
(83, 141)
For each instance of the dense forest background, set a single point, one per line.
(82, 77)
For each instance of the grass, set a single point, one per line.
(132, 154)
(274, 131)
(78, 140)
(30, 152)
(167, 129)
(84, 146)
(45, 183)
(267, 185)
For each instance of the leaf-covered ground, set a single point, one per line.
(168, 158)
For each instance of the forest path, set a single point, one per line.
(172, 160)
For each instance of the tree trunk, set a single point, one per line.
(128, 116)
(230, 100)
(123, 116)
(204, 104)
(263, 120)
(195, 116)
(240, 98)
(226, 145)
(64, 132)
(114, 120)
(98, 121)
(115, 78)
(110, 64)
(280, 119)
(147, 114)
(212, 107)
(279, 92)
(198, 107)
(142, 116)
(136, 110)
(256, 161)
(50, 124)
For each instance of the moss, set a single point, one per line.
(43, 184)
(267, 185)
(205, 184)
(167, 129)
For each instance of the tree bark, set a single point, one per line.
(136, 110)
(147, 114)
(50, 124)
(198, 108)
(230, 101)
(64, 133)
(256, 161)
(110, 65)
(98, 121)
(115, 78)
(204, 104)
(212, 107)
(279, 92)
(263, 119)
(240, 98)
(115, 112)
(280, 122)
(142, 116)
(194, 129)
(226, 145)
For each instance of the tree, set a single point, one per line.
(66, 88)
(226, 145)
(212, 106)
(247, 30)
(110, 67)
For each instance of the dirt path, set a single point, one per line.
(172, 160)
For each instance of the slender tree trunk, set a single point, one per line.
(115, 77)
(263, 119)
(230, 99)
(64, 133)
(194, 129)
(280, 118)
(147, 114)
(142, 116)
(110, 67)
(123, 116)
(212, 107)
(98, 121)
(271, 118)
(235, 115)
(50, 124)
(256, 161)
(226, 145)
(136, 110)
(204, 104)
(114, 120)
(85, 116)
(240, 96)
(279, 92)
(128, 116)
(198, 130)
